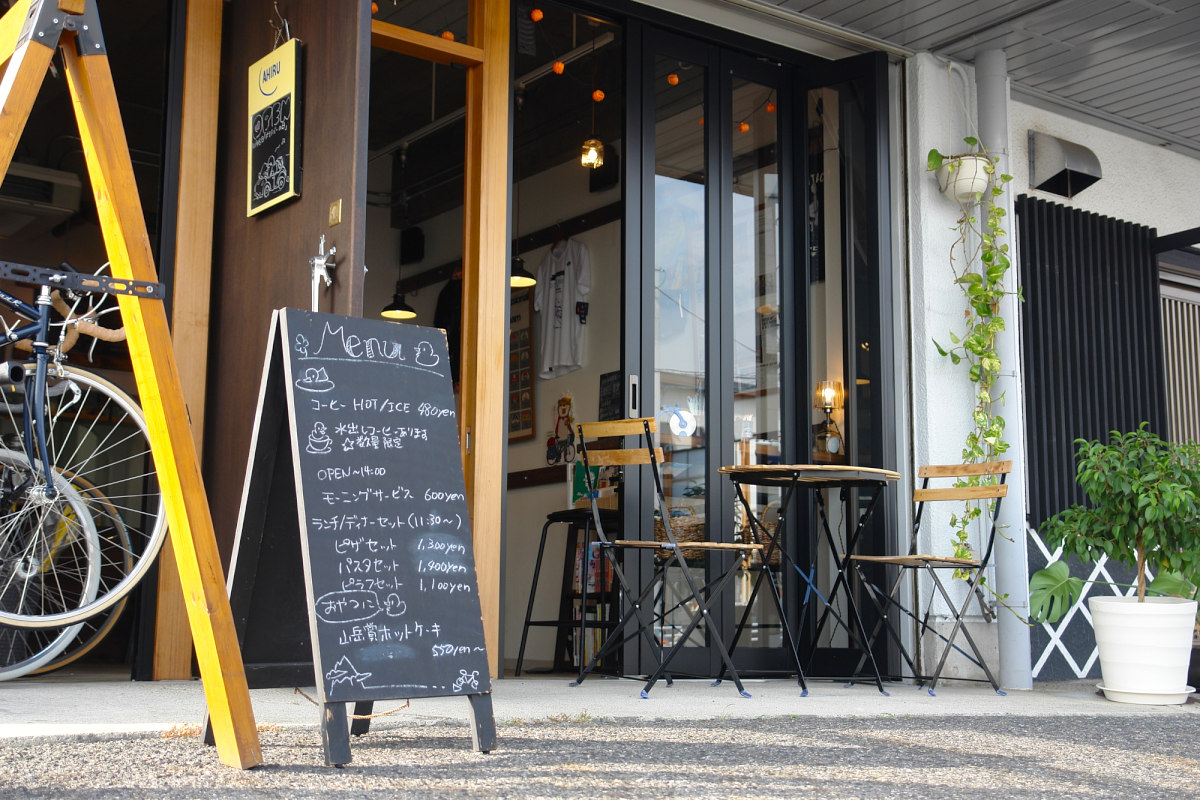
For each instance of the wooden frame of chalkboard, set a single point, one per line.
(354, 491)
(273, 140)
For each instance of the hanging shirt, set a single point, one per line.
(564, 279)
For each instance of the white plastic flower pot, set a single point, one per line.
(1144, 647)
(965, 177)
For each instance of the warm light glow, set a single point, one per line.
(598, 95)
(536, 15)
(558, 67)
(592, 154)
(519, 277)
(743, 126)
(673, 79)
(828, 395)
(448, 36)
(770, 108)
(374, 8)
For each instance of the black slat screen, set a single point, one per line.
(1092, 352)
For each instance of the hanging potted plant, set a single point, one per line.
(966, 176)
(1144, 512)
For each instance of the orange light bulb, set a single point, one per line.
(743, 126)
(558, 67)
(374, 8)
(536, 15)
(770, 108)
(448, 36)
(598, 95)
(673, 79)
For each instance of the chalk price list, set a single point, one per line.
(388, 539)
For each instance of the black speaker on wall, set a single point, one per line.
(607, 174)
(412, 245)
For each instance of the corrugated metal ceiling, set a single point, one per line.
(1135, 63)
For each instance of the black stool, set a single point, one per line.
(577, 519)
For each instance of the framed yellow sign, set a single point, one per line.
(273, 143)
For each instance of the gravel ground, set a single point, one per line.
(892, 757)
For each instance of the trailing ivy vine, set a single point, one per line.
(980, 263)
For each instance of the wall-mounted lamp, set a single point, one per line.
(398, 309)
(827, 397)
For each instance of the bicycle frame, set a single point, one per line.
(38, 331)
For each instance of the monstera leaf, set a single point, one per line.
(1052, 591)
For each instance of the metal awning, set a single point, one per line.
(1133, 64)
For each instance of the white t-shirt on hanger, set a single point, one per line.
(563, 279)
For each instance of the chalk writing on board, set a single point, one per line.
(393, 602)
(270, 150)
(315, 380)
(337, 344)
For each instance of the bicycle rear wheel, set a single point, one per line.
(104, 482)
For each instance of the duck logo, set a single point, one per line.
(268, 79)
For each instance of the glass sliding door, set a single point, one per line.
(711, 305)
(754, 416)
(682, 323)
(754, 276)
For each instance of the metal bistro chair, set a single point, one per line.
(973, 477)
(699, 598)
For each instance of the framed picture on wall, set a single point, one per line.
(520, 366)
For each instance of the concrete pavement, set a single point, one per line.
(58, 705)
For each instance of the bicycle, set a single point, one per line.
(81, 514)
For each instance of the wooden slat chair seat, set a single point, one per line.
(698, 600)
(991, 488)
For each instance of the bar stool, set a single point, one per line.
(575, 519)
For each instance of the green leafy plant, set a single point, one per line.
(1143, 512)
(980, 263)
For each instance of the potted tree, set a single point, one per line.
(1144, 512)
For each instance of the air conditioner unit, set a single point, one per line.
(35, 199)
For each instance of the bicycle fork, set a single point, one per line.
(36, 442)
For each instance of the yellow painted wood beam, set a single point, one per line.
(106, 151)
(18, 89)
(424, 46)
(10, 29)
(191, 291)
(485, 302)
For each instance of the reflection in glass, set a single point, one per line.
(756, 341)
(680, 295)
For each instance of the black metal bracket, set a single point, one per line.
(79, 282)
(45, 24)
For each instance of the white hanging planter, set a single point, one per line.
(964, 177)
(1144, 647)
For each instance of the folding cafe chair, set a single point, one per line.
(639, 604)
(974, 482)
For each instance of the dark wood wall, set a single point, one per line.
(262, 263)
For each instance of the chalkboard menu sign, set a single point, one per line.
(273, 145)
(380, 512)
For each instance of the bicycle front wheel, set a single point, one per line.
(104, 483)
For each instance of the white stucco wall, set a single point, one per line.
(1142, 183)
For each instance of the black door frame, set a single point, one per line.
(794, 73)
